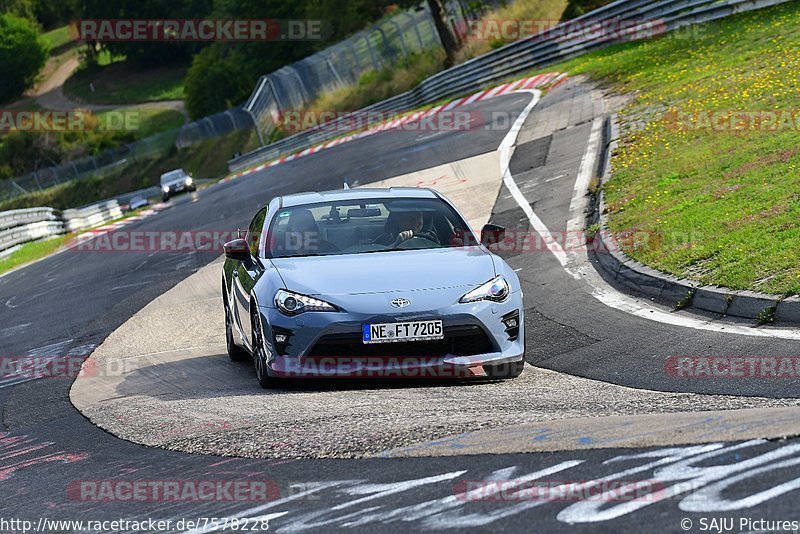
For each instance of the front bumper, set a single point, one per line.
(177, 188)
(303, 355)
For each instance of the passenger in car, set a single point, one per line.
(303, 236)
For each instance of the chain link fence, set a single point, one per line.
(341, 65)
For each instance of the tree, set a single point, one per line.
(19, 8)
(224, 73)
(146, 52)
(22, 56)
(449, 43)
(214, 82)
(53, 13)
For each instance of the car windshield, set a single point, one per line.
(366, 226)
(171, 176)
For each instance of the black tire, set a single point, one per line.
(164, 197)
(505, 370)
(235, 352)
(259, 358)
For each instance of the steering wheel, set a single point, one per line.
(417, 241)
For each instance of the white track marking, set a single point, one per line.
(505, 147)
(576, 263)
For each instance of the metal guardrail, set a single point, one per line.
(29, 232)
(82, 218)
(551, 46)
(23, 226)
(12, 218)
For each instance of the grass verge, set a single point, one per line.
(35, 250)
(717, 197)
(121, 83)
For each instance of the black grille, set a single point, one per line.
(458, 341)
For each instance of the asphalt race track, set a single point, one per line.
(68, 304)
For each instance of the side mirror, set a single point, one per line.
(491, 234)
(237, 250)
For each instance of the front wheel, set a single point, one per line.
(260, 356)
(164, 197)
(505, 370)
(235, 352)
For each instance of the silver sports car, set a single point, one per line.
(370, 283)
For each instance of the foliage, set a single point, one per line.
(576, 8)
(146, 53)
(22, 55)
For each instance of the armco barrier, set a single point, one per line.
(79, 219)
(22, 226)
(12, 218)
(553, 45)
(29, 232)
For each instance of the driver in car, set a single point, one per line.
(402, 226)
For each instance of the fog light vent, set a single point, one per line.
(511, 322)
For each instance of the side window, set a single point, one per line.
(254, 231)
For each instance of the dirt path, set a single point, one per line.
(50, 94)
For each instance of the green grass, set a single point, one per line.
(35, 250)
(144, 121)
(59, 38)
(714, 205)
(117, 82)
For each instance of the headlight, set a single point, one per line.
(188, 180)
(165, 189)
(293, 303)
(496, 290)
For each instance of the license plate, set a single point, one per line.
(409, 331)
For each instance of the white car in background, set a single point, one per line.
(176, 181)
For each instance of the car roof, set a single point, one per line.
(301, 199)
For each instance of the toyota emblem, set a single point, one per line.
(400, 303)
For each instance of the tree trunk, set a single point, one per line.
(448, 39)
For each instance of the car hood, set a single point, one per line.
(386, 272)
